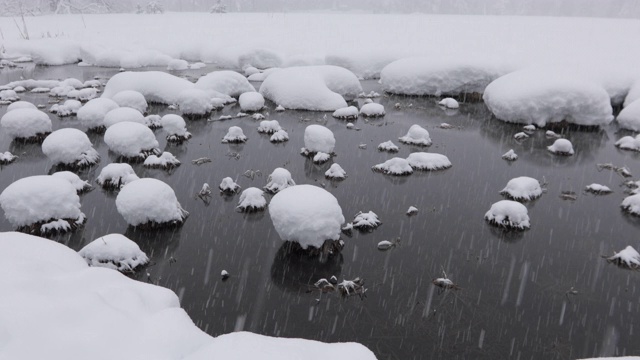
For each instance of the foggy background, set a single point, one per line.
(588, 8)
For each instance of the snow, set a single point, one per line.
(175, 127)
(70, 107)
(279, 136)
(633, 94)
(417, 135)
(315, 88)
(280, 108)
(279, 179)
(306, 214)
(629, 143)
(366, 221)
(412, 210)
(598, 189)
(93, 112)
(561, 147)
(509, 214)
(269, 127)
(252, 199)
(251, 101)
(227, 185)
(21, 105)
(61, 91)
(336, 172)
(428, 161)
(510, 155)
(629, 117)
(388, 146)
(321, 157)
(395, 166)
(438, 76)
(25, 124)
(9, 95)
(346, 113)
(629, 257)
(132, 99)
(529, 128)
(196, 102)
(372, 110)
(631, 204)
(544, 96)
(70, 147)
(449, 103)
(165, 161)
(258, 77)
(156, 86)
(75, 180)
(114, 251)
(41, 199)
(234, 135)
(318, 138)
(153, 121)
(83, 94)
(123, 114)
(115, 175)
(131, 140)
(177, 64)
(522, 188)
(149, 202)
(225, 82)
(7, 158)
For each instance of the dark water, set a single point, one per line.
(513, 302)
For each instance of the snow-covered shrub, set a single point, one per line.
(70, 147)
(114, 251)
(165, 161)
(195, 102)
(279, 136)
(177, 64)
(318, 138)
(80, 185)
(251, 101)
(510, 155)
(116, 175)
(366, 221)
(522, 188)
(449, 103)
(561, 147)
(417, 135)
(346, 113)
(252, 199)
(93, 112)
(306, 214)
(508, 214)
(153, 121)
(628, 258)
(175, 127)
(428, 161)
(29, 125)
(149, 203)
(42, 205)
(228, 186)
(131, 99)
(279, 179)
(131, 140)
(629, 117)
(21, 105)
(123, 114)
(234, 135)
(335, 172)
(269, 126)
(372, 110)
(394, 166)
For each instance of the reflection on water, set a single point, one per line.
(513, 302)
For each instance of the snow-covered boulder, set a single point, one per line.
(149, 203)
(437, 76)
(80, 185)
(7, 158)
(629, 117)
(508, 214)
(510, 155)
(316, 88)
(428, 161)
(156, 86)
(177, 64)
(269, 126)
(598, 189)
(258, 77)
(131, 99)
(561, 147)
(251, 101)
(83, 95)
(228, 186)
(61, 91)
(165, 161)
(252, 199)
(175, 127)
(122, 114)
(388, 146)
(346, 113)
(629, 143)
(28, 125)
(449, 103)
(417, 135)
(195, 102)
(116, 175)
(335, 172)
(279, 136)
(70, 107)
(542, 97)
(234, 135)
(628, 258)
(42, 204)
(93, 112)
(153, 121)
(225, 82)
(21, 105)
(394, 166)
(8, 96)
(279, 179)
(318, 138)
(372, 110)
(306, 214)
(631, 204)
(131, 140)
(522, 188)
(70, 147)
(114, 251)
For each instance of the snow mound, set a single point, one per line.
(131, 99)
(153, 121)
(629, 143)
(149, 203)
(318, 138)
(336, 172)
(279, 179)
(61, 91)
(631, 204)
(164, 161)
(26, 124)
(228, 186)
(598, 189)
(73, 179)
(234, 135)
(315, 88)
(177, 64)
(252, 199)
(269, 127)
(251, 101)
(542, 97)
(175, 127)
(510, 155)
(156, 86)
(70, 107)
(83, 95)
(522, 188)
(417, 135)
(366, 221)
(372, 110)
(388, 146)
(116, 175)
(258, 77)
(21, 105)
(306, 214)
(70, 147)
(114, 251)
(195, 102)
(508, 214)
(123, 114)
(449, 103)
(428, 161)
(93, 112)
(42, 204)
(394, 166)
(346, 113)
(9, 96)
(561, 147)
(226, 82)
(437, 76)
(629, 258)
(131, 140)
(629, 117)
(7, 158)
(279, 136)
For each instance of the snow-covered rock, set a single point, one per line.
(93, 112)
(251, 101)
(449, 103)
(123, 114)
(366, 221)
(156, 86)
(279, 179)
(522, 188)
(372, 110)
(175, 127)
(26, 124)
(225, 82)
(388, 146)
(83, 94)
(8, 96)
(279, 136)
(165, 161)
(196, 102)
(520, 136)
(346, 113)
(269, 126)
(234, 135)
(335, 172)
(394, 166)
(629, 258)
(131, 99)
(42, 204)
(529, 128)
(228, 186)
(70, 147)
(153, 121)
(508, 214)
(21, 105)
(177, 64)
(306, 214)
(629, 117)
(541, 97)
(417, 135)
(61, 91)
(598, 189)
(510, 155)
(116, 175)
(316, 88)
(252, 199)
(114, 251)
(318, 138)
(70, 107)
(561, 147)
(149, 203)
(629, 143)
(7, 158)
(80, 185)
(428, 161)
(631, 204)
(261, 76)
(131, 140)
(412, 210)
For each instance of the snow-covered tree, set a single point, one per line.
(218, 8)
